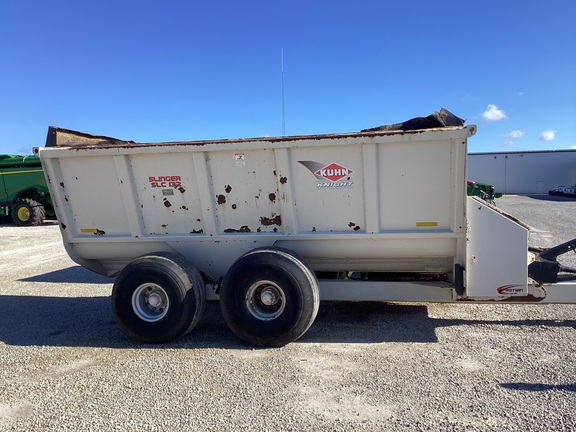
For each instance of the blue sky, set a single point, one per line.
(185, 70)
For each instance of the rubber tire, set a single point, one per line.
(298, 283)
(33, 208)
(180, 280)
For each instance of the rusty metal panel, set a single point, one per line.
(245, 189)
(167, 194)
(378, 201)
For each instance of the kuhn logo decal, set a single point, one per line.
(333, 172)
(511, 290)
(332, 175)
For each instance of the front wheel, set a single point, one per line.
(27, 212)
(158, 297)
(269, 297)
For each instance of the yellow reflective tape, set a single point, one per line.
(21, 172)
(88, 230)
(426, 224)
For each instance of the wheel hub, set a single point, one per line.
(23, 214)
(154, 300)
(265, 300)
(150, 302)
(268, 297)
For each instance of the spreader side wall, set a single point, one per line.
(359, 202)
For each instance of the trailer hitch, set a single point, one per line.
(546, 268)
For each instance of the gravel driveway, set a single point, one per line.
(67, 366)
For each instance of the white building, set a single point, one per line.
(531, 172)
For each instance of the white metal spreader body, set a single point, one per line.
(358, 202)
(378, 202)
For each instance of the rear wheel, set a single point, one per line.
(158, 297)
(269, 297)
(27, 212)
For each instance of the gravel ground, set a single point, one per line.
(67, 366)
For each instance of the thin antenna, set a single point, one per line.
(283, 111)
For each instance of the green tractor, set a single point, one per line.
(482, 190)
(23, 191)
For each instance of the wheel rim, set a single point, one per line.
(23, 214)
(265, 300)
(150, 302)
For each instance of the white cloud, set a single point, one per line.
(508, 144)
(521, 93)
(516, 134)
(493, 113)
(548, 135)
